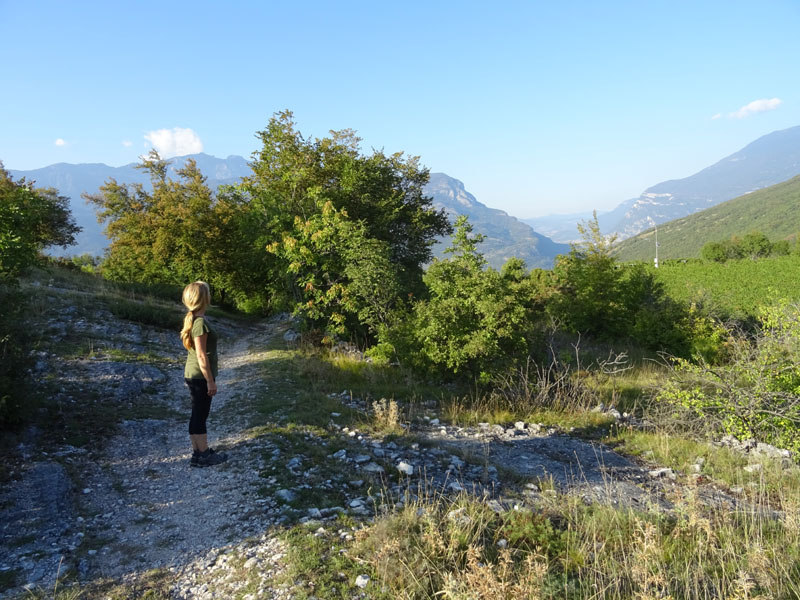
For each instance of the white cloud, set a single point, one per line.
(756, 106)
(174, 142)
(127, 143)
(717, 116)
(60, 142)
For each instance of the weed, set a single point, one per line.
(387, 416)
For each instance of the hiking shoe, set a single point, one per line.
(209, 458)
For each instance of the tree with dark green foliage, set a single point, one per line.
(317, 203)
(597, 296)
(714, 251)
(587, 280)
(31, 219)
(476, 320)
(755, 245)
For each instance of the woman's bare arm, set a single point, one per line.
(205, 366)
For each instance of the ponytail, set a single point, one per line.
(196, 296)
(186, 332)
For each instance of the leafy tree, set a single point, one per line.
(755, 245)
(31, 220)
(174, 234)
(587, 282)
(781, 248)
(302, 186)
(714, 251)
(595, 295)
(476, 321)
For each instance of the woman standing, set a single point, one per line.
(201, 370)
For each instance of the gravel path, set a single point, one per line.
(135, 504)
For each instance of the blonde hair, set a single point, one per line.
(196, 296)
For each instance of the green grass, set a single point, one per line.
(718, 287)
(324, 564)
(720, 464)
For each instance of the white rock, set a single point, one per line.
(251, 563)
(406, 468)
(434, 421)
(373, 467)
(520, 425)
(755, 468)
(665, 472)
(362, 581)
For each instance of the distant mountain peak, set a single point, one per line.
(770, 159)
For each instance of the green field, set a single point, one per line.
(735, 288)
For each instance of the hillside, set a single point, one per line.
(767, 161)
(774, 211)
(506, 236)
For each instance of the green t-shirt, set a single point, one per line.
(192, 369)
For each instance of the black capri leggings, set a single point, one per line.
(201, 405)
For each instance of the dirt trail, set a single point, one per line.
(135, 504)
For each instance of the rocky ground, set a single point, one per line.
(117, 510)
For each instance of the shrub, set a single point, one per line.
(14, 356)
(755, 395)
(476, 321)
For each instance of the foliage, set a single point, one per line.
(718, 289)
(31, 219)
(344, 278)
(754, 245)
(175, 234)
(347, 234)
(756, 394)
(596, 295)
(476, 321)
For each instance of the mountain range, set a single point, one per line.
(770, 159)
(773, 211)
(505, 236)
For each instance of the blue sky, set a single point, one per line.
(537, 107)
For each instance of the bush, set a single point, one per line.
(15, 359)
(476, 321)
(757, 393)
(595, 295)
